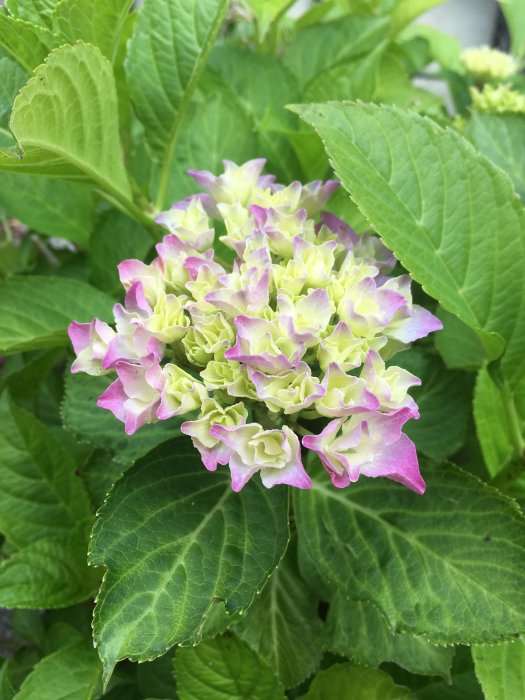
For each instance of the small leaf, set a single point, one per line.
(73, 672)
(13, 77)
(176, 539)
(458, 345)
(347, 682)
(359, 631)
(446, 565)
(49, 573)
(316, 49)
(36, 311)
(27, 43)
(492, 423)
(41, 496)
(115, 238)
(501, 670)
(224, 669)
(98, 22)
(284, 620)
(53, 208)
(501, 138)
(68, 111)
(88, 422)
(444, 400)
(514, 11)
(35, 11)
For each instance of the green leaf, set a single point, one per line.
(35, 11)
(115, 238)
(41, 496)
(407, 10)
(458, 345)
(13, 77)
(171, 41)
(444, 401)
(446, 565)
(492, 423)
(36, 311)
(444, 49)
(359, 631)
(350, 80)
(267, 12)
(28, 43)
(347, 682)
(514, 11)
(68, 111)
(437, 204)
(48, 573)
(217, 128)
(501, 670)
(502, 139)
(98, 22)
(73, 673)
(98, 426)
(284, 620)
(53, 208)
(169, 536)
(318, 48)
(224, 669)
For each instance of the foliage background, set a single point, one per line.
(371, 592)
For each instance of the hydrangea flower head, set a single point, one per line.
(284, 354)
(500, 99)
(486, 64)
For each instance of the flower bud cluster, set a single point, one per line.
(488, 65)
(289, 341)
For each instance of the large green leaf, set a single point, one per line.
(98, 22)
(176, 539)
(447, 565)
(501, 137)
(68, 111)
(224, 669)
(28, 43)
(317, 49)
(72, 673)
(449, 215)
(51, 207)
(41, 496)
(444, 401)
(501, 670)
(48, 573)
(359, 631)
(98, 426)
(347, 682)
(36, 311)
(171, 41)
(283, 620)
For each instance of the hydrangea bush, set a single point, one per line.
(280, 454)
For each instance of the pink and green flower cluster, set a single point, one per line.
(286, 346)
